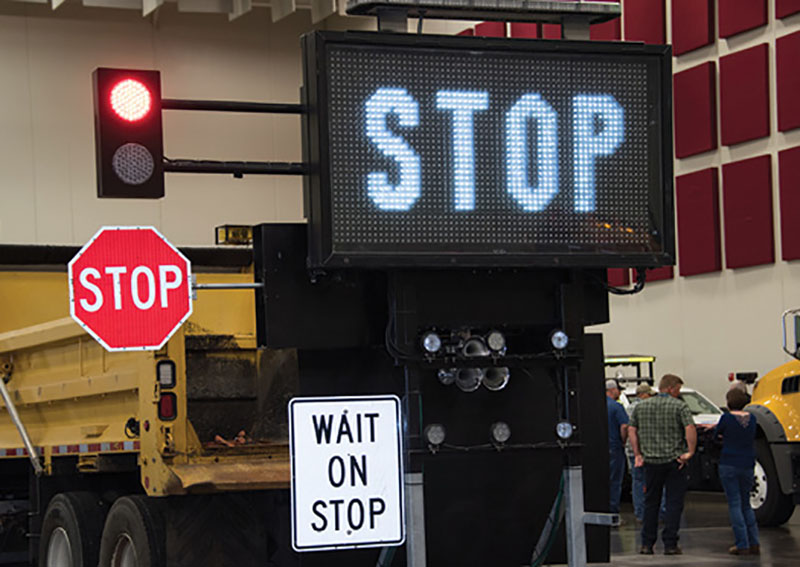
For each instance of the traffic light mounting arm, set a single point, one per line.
(128, 135)
(236, 168)
(232, 106)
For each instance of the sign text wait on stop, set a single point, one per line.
(347, 473)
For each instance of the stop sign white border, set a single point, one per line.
(72, 291)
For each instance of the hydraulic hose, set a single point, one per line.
(548, 536)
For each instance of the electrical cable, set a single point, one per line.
(641, 277)
(393, 350)
(386, 556)
(548, 536)
(504, 446)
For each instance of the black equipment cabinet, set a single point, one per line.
(484, 504)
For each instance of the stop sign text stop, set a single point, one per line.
(142, 282)
(130, 288)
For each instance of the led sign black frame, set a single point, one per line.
(324, 154)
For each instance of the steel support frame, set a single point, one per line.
(415, 520)
(574, 27)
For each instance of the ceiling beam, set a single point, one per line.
(282, 8)
(239, 8)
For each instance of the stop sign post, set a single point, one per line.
(130, 288)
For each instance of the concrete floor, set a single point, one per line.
(705, 537)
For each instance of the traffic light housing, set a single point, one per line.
(128, 133)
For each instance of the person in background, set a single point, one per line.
(643, 392)
(664, 439)
(736, 463)
(617, 436)
(742, 387)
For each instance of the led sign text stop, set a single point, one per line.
(439, 150)
(130, 288)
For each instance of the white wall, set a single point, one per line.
(703, 327)
(47, 170)
(700, 327)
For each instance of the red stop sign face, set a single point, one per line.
(130, 288)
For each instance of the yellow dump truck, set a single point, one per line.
(201, 421)
(776, 404)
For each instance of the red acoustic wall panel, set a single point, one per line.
(789, 167)
(736, 16)
(656, 274)
(692, 24)
(607, 31)
(491, 29)
(523, 30)
(744, 95)
(785, 8)
(747, 205)
(787, 63)
(619, 277)
(551, 31)
(644, 21)
(697, 200)
(695, 100)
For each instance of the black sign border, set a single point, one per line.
(317, 190)
(400, 422)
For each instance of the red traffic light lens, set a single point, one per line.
(131, 100)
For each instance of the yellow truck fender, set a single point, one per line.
(771, 430)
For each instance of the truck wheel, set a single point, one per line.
(71, 530)
(771, 505)
(133, 535)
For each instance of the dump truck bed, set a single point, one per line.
(93, 407)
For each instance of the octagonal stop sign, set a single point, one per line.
(130, 288)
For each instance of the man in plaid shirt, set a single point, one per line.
(663, 438)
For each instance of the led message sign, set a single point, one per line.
(481, 152)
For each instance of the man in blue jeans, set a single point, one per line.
(664, 439)
(617, 436)
(643, 392)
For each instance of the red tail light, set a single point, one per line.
(168, 406)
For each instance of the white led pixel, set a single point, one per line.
(400, 197)
(446, 152)
(463, 104)
(537, 197)
(588, 144)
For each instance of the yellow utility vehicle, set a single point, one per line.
(202, 420)
(776, 404)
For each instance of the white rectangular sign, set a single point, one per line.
(347, 472)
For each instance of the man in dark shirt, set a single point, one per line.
(664, 439)
(617, 436)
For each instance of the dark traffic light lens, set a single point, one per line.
(131, 100)
(133, 163)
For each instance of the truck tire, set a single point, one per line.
(134, 534)
(71, 530)
(771, 505)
